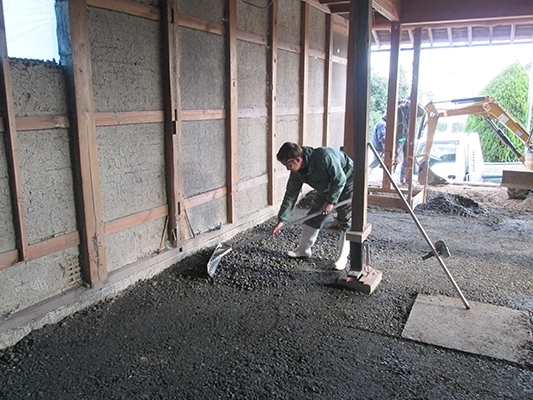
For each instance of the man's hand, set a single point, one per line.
(326, 208)
(276, 230)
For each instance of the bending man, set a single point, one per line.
(330, 172)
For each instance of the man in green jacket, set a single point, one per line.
(330, 172)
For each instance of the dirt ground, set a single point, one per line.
(268, 327)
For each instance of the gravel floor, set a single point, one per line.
(267, 327)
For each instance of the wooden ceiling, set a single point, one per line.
(447, 23)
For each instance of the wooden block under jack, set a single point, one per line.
(366, 284)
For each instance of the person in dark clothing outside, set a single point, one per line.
(378, 140)
(330, 172)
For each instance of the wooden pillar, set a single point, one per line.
(272, 117)
(413, 108)
(392, 103)
(304, 71)
(11, 146)
(357, 107)
(77, 56)
(232, 112)
(327, 79)
(173, 132)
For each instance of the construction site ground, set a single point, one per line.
(269, 327)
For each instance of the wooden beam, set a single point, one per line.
(200, 24)
(392, 103)
(11, 146)
(127, 7)
(272, 102)
(232, 113)
(304, 71)
(328, 73)
(173, 131)
(132, 220)
(390, 9)
(423, 12)
(128, 117)
(77, 56)
(413, 108)
(450, 35)
(357, 109)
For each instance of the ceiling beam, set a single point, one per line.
(390, 9)
(382, 24)
(428, 11)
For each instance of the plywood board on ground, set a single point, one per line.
(484, 329)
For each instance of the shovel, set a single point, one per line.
(221, 250)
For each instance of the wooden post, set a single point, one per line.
(413, 108)
(272, 117)
(304, 70)
(173, 132)
(327, 79)
(232, 114)
(392, 103)
(355, 137)
(11, 146)
(77, 56)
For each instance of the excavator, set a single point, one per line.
(485, 106)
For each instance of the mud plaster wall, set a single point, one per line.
(132, 244)
(251, 200)
(39, 88)
(314, 130)
(210, 10)
(317, 35)
(126, 62)
(316, 82)
(132, 168)
(28, 283)
(252, 144)
(289, 21)
(288, 89)
(202, 70)
(253, 19)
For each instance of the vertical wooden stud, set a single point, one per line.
(304, 71)
(77, 56)
(272, 117)
(413, 108)
(11, 146)
(173, 131)
(327, 79)
(392, 103)
(232, 114)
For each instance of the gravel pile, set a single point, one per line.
(451, 204)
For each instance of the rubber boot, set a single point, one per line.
(308, 239)
(344, 252)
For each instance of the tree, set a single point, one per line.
(509, 88)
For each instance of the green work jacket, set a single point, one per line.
(328, 171)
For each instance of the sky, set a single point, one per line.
(451, 73)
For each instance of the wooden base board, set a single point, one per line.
(388, 198)
(366, 284)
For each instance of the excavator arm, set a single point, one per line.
(483, 106)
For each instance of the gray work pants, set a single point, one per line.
(344, 213)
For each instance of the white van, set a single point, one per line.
(454, 156)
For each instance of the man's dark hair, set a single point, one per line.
(289, 150)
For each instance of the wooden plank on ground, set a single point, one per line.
(517, 179)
